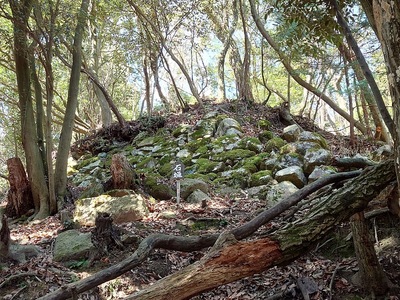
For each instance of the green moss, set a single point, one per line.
(193, 145)
(157, 189)
(165, 169)
(260, 178)
(204, 166)
(233, 155)
(182, 129)
(264, 124)
(209, 177)
(265, 136)
(144, 162)
(288, 148)
(274, 144)
(86, 162)
(251, 143)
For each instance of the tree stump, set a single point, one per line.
(104, 235)
(123, 176)
(19, 196)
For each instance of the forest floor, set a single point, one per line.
(331, 265)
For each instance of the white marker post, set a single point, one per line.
(177, 173)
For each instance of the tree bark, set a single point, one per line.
(104, 235)
(384, 17)
(19, 196)
(4, 239)
(123, 176)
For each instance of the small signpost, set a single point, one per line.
(177, 173)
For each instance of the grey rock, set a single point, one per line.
(280, 191)
(316, 157)
(293, 174)
(229, 126)
(188, 185)
(291, 133)
(197, 196)
(320, 171)
(72, 245)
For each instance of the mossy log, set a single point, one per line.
(230, 259)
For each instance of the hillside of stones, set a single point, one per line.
(225, 148)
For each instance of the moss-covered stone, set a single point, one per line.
(209, 177)
(265, 136)
(165, 169)
(146, 162)
(233, 155)
(260, 178)
(158, 190)
(274, 144)
(251, 143)
(193, 145)
(85, 161)
(204, 166)
(236, 177)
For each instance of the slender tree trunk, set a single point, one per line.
(366, 92)
(295, 75)
(245, 91)
(366, 70)
(72, 103)
(34, 162)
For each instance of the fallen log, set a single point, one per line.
(273, 247)
(232, 260)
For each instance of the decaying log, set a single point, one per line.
(19, 196)
(240, 259)
(123, 176)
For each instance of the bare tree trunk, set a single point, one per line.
(371, 274)
(72, 103)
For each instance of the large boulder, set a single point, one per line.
(320, 171)
(73, 245)
(124, 206)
